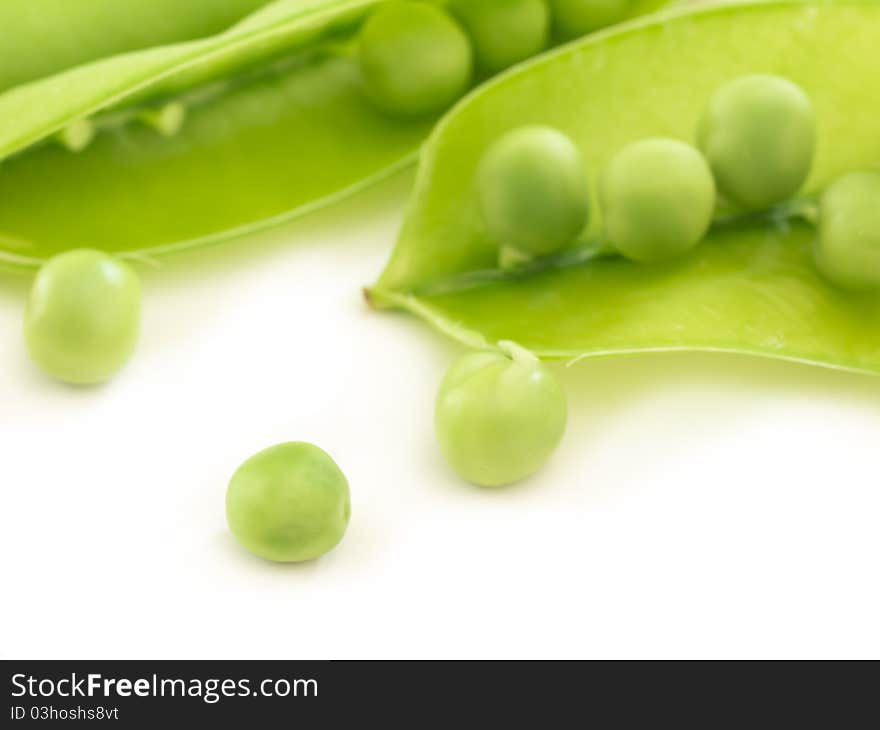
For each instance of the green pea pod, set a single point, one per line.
(43, 37)
(751, 287)
(276, 124)
(255, 145)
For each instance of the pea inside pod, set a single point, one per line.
(503, 32)
(658, 199)
(534, 192)
(759, 135)
(848, 244)
(574, 18)
(414, 58)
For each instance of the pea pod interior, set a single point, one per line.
(276, 125)
(748, 288)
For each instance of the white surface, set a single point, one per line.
(701, 505)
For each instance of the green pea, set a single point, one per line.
(658, 198)
(503, 32)
(414, 58)
(533, 191)
(83, 316)
(499, 416)
(759, 135)
(574, 18)
(289, 503)
(848, 247)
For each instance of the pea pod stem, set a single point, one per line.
(383, 298)
(517, 353)
(510, 259)
(593, 249)
(77, 135)
(804, 209)
(168, 115)
(167, 120)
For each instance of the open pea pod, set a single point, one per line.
(275, 121)
(276, 125)
(750, 288)
(43, 37)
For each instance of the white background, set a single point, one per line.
(701, 505)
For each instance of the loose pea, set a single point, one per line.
(574, 18)
(289, 503)
(414, 58)
(658, 198)
(499, 416)
(83, 316)
(533, 191)
(503, 32)
(848, 247)
(759, 135)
